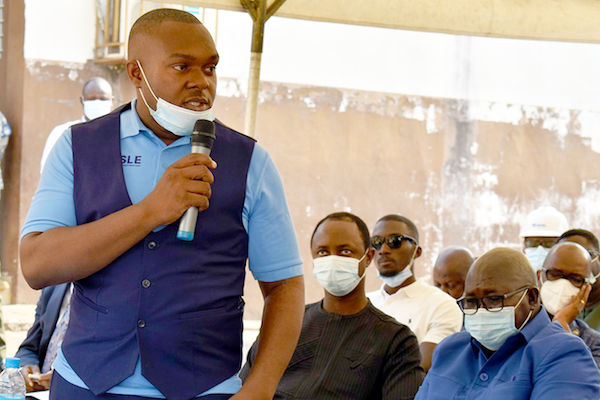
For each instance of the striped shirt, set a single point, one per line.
(368, 355)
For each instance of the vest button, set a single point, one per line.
(141, 323)
(146, 283)
(152, 245)
(484, 377)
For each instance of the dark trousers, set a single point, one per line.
(60, 389)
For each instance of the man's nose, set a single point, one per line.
(199, 79)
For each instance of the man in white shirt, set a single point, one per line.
(430, 313)
(96, 99)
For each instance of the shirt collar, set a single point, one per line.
(132, 125)
(532, 328)
(413, 290)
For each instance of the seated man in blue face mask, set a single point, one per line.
(565, 281)
(509, 349)
(348, 349)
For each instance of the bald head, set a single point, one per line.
(97, 88)
(148, 25)
(570, 258)
(451, 269)
(501, 271)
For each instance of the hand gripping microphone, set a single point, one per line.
(203, 138)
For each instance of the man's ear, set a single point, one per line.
(533, 296)
(538, 275)
(369, 256)
(419, 251)
(134, 73)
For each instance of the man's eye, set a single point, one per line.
(346, 252)
(321, 253)
(180, 67)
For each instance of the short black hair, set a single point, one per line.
(346, 216)
(581, 232)
(150, 21)
(400, 218)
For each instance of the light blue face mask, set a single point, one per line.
(536, 256)
(400, 277)
(491, 329)
(175, 119)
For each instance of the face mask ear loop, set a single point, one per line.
(528, 315)
(147, 83)
(362, 258)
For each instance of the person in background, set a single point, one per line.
(39, 349)
(509, 349)
(430, 313)
(450, 270)
(539, 233)
(348, 349)
(565, 282)
(591, 312)
(96, 99)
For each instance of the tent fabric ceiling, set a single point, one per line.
(558, 20)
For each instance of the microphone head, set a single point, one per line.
(204, 133)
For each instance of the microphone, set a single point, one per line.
(203, 138)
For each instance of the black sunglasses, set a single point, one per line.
(393, 241)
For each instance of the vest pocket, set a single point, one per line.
(90, 303)
(202, 313)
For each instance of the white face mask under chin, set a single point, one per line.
(338, 275)
(175, 119)
(557, 294)
(398, 279)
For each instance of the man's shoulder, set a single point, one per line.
(230, 131)
(553, 339)
(383, 319)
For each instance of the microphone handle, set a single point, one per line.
(187, 225)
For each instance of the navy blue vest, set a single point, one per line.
(178, 304)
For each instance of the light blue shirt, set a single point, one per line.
(273, 251)
(541, 362)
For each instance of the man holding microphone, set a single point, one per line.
(153, 316)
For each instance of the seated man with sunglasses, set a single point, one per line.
(591, 312)
(430, 313)
(509, 349)
(565, 281)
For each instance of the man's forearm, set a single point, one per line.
(281, 326)
(67, 254)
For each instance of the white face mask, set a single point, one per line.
(536, 256)
(557, 294)
(491, 329)
(398, 279)
(337, 274)
(175, 119)
(96, 108)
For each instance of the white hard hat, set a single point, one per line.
(545, 221)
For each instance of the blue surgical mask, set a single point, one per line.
(398, 279)
(536, 256)
(337, 274)
(175, 119)
(492, 328)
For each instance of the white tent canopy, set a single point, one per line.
(560, 20)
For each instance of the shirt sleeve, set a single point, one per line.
(273, 250)
(566, 372)
(402, 372)
(53, 204)
(446, 320)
